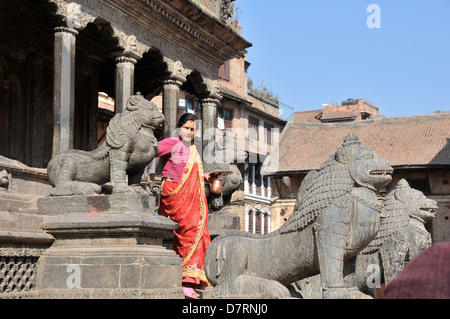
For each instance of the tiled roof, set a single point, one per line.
(405, 141)
(307, 116)
(340, 115)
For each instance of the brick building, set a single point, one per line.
(418, 148)
(350, 110)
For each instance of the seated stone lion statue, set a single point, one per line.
(130, 145)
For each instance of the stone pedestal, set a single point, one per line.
(107, 246)
(222, 221)
(22, 242)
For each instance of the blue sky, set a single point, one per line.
(311, 52)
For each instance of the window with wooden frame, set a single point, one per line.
(257, 220)
(224, 118)
(220, 124)
(268, 131)
(253, 128)
(228, 118)
(224, 71)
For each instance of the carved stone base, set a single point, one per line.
(169, 293)
(22, 242)
(222, 221)
(112, 251)
(109, 272)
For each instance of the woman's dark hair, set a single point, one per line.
(186, 117)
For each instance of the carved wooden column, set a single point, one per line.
(171, 94)
(171, 101)
(209, 111)
(124, 78)
(64, 89)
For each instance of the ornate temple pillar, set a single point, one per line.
(125, 65)
(124, 81)
(171, 94)
(209, 111)
(64, 73)
(64, 89)
(171, 98)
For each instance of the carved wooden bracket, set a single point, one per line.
(76, 19)
(213, 88)
(73, 15)
(176, 69)
(132, 47)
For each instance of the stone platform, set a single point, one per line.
(107, 246)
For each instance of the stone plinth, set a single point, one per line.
(107, 246)
(222, 221)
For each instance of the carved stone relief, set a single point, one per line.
(227, 7)
(5, 180)
(73, 15)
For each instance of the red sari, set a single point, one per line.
(185, 203)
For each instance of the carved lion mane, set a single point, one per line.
(317, 191)
(124, 127)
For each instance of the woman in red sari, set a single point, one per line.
(183, 199)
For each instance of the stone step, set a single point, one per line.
(13, 202)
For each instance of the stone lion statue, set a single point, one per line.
(402, 235)
(337, 214)
(130, 145)
(225, 158)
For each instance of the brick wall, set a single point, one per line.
(440, 225)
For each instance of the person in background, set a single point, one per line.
(183, 199)
(427, 276)
(149, 172)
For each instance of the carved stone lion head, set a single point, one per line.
(366, 167)
(417, 205)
